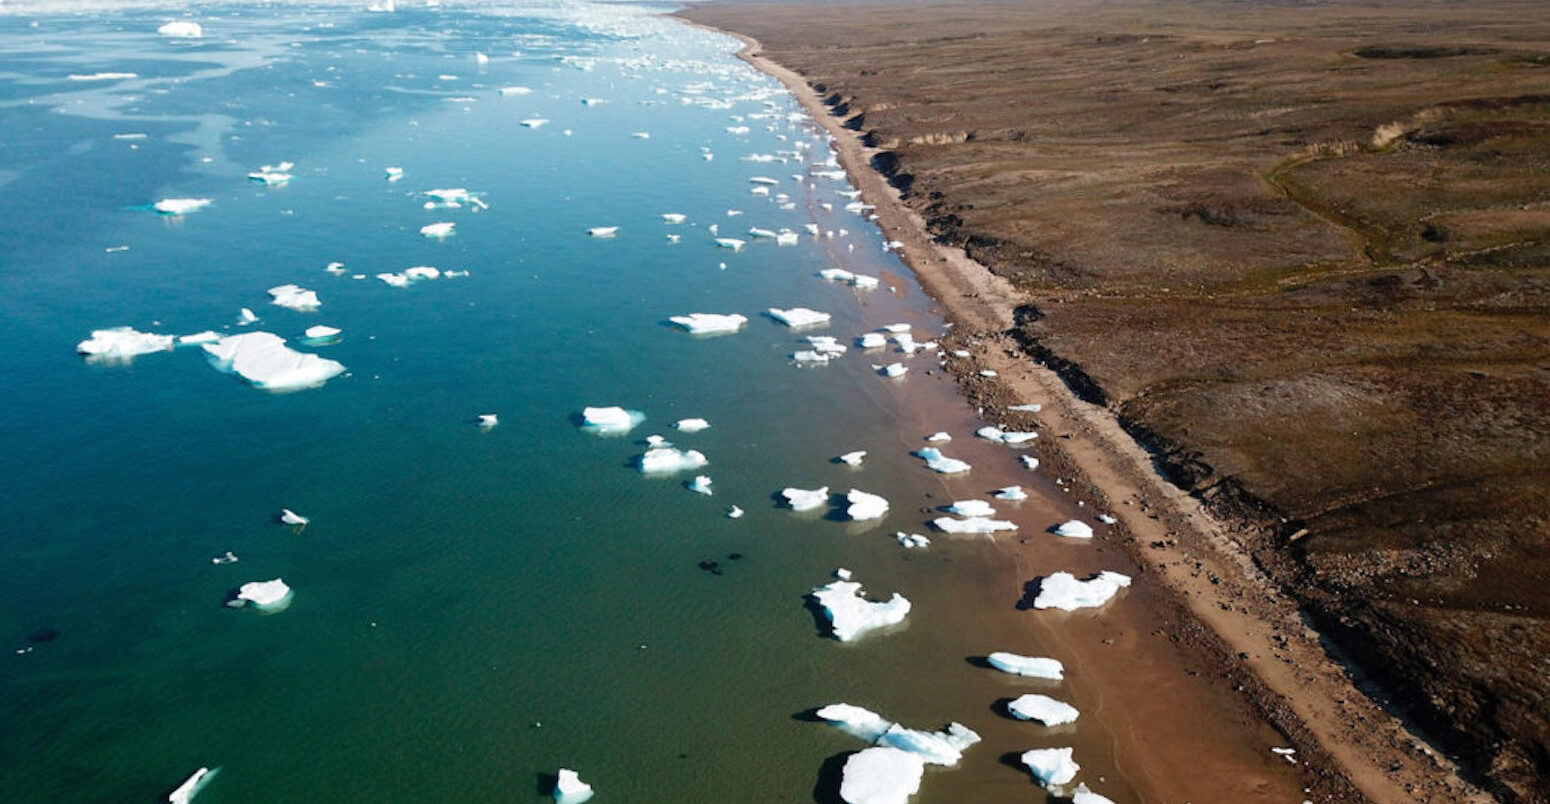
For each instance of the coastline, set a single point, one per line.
(1230, 615)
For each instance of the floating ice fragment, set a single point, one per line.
(322, 333)
(710, 323)
(858, 722)
(610, 420)
(180, 206)
(734, 513)
(270, 178)
(853, 458)
(1074, 529)
(881, 776)
(805, 499)
(186, 791)
(480, 58)
(335, 268)
(667, 460)
(452, 197)
(897, 328)
(1051, 767)
(977, 524)
(181, 29)
(488, 420)
(851, 615)
(1061, 590)
(939, 437)
(263, 359)
(731, 243)
(674, 217)
(1030, 666)
(603, 231)
(872, 340)
(799, 317)
(971, 508)
(997, 434)
(108, 77)
(534, 122)
(938, 462)
(509, 91)
(700, 485)
(1013, 493)
(943, 747)
(641, 135)
(246, 317)
(569, 789)
(691, 425)
(893, 370)
(863, 282)
(199, 338)
(122, 344)
(764, 233)
(294, 297)
(912, 540)
(786, 239)
(864, 506)
(836, 274)
(289, 517)
(1042, 708)
(438, 230)
(265, 595)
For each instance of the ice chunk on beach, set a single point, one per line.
(893, 370)
(1042, 708)
(881, 776)
(289, 517)
(1107, 520)
(1061, 590)
(691, 425)
(1074, 529)
(569, 789)
(1012, 493)
(977, 524)
(180, 206)
(610, 420)
(700, 485)
(798, 317)
(438, 230)
(603, 231)
(1029, 462)
(805, 499)
(1030, 666)
(1086, 796)
(851, 615)
(1052, 767)
(939, 437)
(872, 340)
(270, 178)
(294, 297)
(263, 359)
(853, 458)
(864, 506)
(710, 323)
(997, 434)
(181, 29)
(121, 344)
(937, 462)
(667, 460)
(912, 541)
(186, 791)
(971, 508)
(1027, 408)
(266, 595)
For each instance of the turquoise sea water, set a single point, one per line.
(473, 610)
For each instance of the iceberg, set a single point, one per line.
(826, 345)
(533, 122)
(270, 178)
(893, 370)
(709, 323)
(186, 791)
(263, 359)
(1074, 529)
(897, 328)
(1052, 767)
(289, 517)
(734, 513)
(1086, 796)
(294, 297)
(265, 595)
(181, 29)
(912, 540)
(731, 243)
(603, 231)
(787, 239)
(420, 272)
(321, 332)
(763, 233)
(1030, 666)
(393, 173)
(452, 197)
(109, 77)
(488, 420)
(872, 340)
(438, 230)
(861, 281)
(977, 524)
(180, 206)
(937, 462)
(1013, 493)
(970, 508)
(852, 458)
(864, 506)
(569, 789)
(881, 776)
(667, 460)
(610, 420)
(858, 722)
(940, 437)
(1042, 708)
(691, 425)
(997, 434)
(700, 485)
(122, 344)
(1061, 590)
(799, 317)
(804, 499)
(943, 747)
(851, 615)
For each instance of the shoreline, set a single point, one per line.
(1253, 637)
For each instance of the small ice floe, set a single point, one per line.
(229, 558)
(852, 458)
(798, 317)
(864, 506)
(1107, 520)
(246, 317)
(674, 217)
(487, 421)
(641, 135)
(973, 524)
(893, 245)
(603, 231)
(1042, 708)
(1074, 529)
(997, 434)
(700, 485)
(881, 775)
(438, 230)
(709, 323)
(863, 282)
(810, 228)
(181, 29)
(321, 335)
(734, 512)
(944, 747)
(970, 508)
(1010, 493)
(805, 499)
(668, 460)
(1051, 767)
(911, 541)
(185, 792)
(851, 615)
(940, 437)
(893, 370)
(731, 243)
(264, 595)
(480, 58)
(937, 462)
(593, 101)
(335, 268)
(122, 344)
(897, 328)
(1027, 408)
(393, 173)
(293, 519)
(768, 234)
(1030, 666)
(765, 180)
(872, 340)
(787, 239)
(691, 425)
(1061, 590)
(534, 122)
(180, 206)
(737, 130)
(1029, 462)
(826, 345)
(610, 420)
(672, 238)
(263, 359)
(294, 297)
(569, 789)
(509, 91)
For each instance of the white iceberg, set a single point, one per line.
(186, 791)
(1042, 708)
(1013, 493)
(731, 243)
(603, 231)
(488, 420)
(246, 317)
(700, 485)
(860, 281)
(912, 541)
(270, 178)
(420, 272)
(674, 217)
(181, 29)
(851, 615)
(122, 344)
(853, 458)
(897, 328)
(939, 437)
(937, 462)
(265, 595)
(864, 506)
(805, 499)
(569, 789)
(977, 524)
(756, 232)
(826, 345)
(438, 230)
(836, 275)
(857, 721)
(691, 425)
(294, 297)
(1030, 666)
(1052, 767)
(893, 370)
(263, 359)
(321, 332)
(971, 508)
(709, 323)
(943, 747)
(610, 420)
(1061, 590)
(452, 198)
(787, 239)
(872, 340)
(180, 206)
(997, 434)
(1029, 462)
(289, 517)
(798, 317)
(881, 776)
(1074, 529)
(734, 512)
(667, 460)
(199, 338)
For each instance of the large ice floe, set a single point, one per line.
(865, 506)
(265, 595)
(944, 747)
(569, 789)
(185, 792)
(937, 462)
(1030, 666)
(851, 615)
(805, 499)
(1051, 767)
(610, 420)
(263, 359)
(1061, 590)
(1042, 708)
(122, 344)
(180, 206)
(881, 775)
(294, 297)
(710, 323)
(667, 460)
(799, 317)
